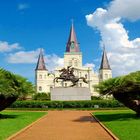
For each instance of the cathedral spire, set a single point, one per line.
(72, 44)
(104, 62)
(41, 62)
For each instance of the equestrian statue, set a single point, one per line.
(67, 74)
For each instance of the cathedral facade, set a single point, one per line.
(72, 57)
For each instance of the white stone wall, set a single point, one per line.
(44, 81)
(70, 94)
(73, 59)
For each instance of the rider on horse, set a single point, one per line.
(68, 75)
(65, 72)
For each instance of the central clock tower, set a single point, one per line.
(72, 56)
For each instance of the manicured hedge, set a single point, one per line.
(67, 104)
(41, 96)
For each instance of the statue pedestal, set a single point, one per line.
(70, 94)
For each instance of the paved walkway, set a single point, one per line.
(65, 125)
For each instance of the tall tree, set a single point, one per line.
(26, 88)
(125, 89)
(12, 87)
(9, 87)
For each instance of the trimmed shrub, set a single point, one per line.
(41, 96)
(66, 104)
(96, 98)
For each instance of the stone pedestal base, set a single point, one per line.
(70, 94)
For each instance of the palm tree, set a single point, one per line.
(26, 87)
(12, 87)
(9, 87)
(125, 89)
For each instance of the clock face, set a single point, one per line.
(72, 45)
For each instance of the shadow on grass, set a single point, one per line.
(116, 117)
(6, 116)
(85, 119)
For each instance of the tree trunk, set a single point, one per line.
(128, 102)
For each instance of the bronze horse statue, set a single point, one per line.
(68, 75)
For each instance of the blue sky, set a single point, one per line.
(27, 25)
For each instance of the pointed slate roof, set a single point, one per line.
(41, 62)
(104, 62)
(72, 44)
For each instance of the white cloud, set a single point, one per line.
(6, 47)
(23, 6)
(53, 61)
(91, 65)
(30, 57)
(23, 57)
(125, 8)
(123, 53)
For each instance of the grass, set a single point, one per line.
(13, 121)
(124, 124)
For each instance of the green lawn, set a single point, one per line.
(13, 121)
(124, 124)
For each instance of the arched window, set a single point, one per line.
(101, 76)
(62, 84)
(40, 88)
(40, 76)
(106, 76)
(45, 76)
(70, 63)
(65, 84)
(51, 87)
(75, 63)
(86, 76)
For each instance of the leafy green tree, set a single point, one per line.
(125, 89)
(26, 88)
(9, 87)
(12, 87)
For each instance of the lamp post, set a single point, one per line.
(89, 77)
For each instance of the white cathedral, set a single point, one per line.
(72, 57)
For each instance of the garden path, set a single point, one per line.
(65, 125)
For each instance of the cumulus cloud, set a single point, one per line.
(23, 6)
(53, 61)
(6, 47)
(31, 57)
(125, 8)
(23, 57)
(123, 53)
